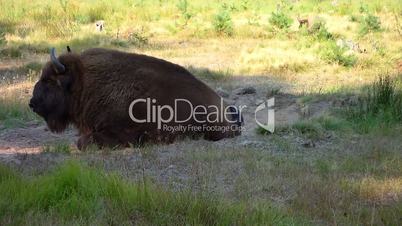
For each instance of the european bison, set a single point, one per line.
(115, 98)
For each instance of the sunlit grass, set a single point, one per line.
(14, 109)
(75, 194)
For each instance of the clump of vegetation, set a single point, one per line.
(369, 24)
(354, 18)
(223, 23)
(182, 5)
(381, 103)
(59, 147)
(133, 39)
(12, 52)
(363, 8)
(14, 110)
(96, 12)
(334, 54)
(310, 129)
(54, 22)
(280, 20)
(206, 73)
(3, 40)
(78, 195)
(33, 66)
(320, 31)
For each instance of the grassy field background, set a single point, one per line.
(343, 167)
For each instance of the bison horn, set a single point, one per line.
(58, 66)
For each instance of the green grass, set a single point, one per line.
(206, 73)
(380, 105)
(76, 194)
(58, 147)
(14, 112)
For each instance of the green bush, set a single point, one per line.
(334, 54)
(363, 8)
(280, 20)
(320, 31)
(223, 23)
(370, 23)
(182, 5)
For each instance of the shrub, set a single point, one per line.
(223, 23)
(363, 8)
(370, 23)
(280, 20)
(182, 5)
(334, 54)
(320, 31)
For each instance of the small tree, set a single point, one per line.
(280, 20)
(223, 23)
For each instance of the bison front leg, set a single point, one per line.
(84, 142)
(99, 140)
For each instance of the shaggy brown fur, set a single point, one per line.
(97, 87)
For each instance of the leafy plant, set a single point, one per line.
(334, 54)
(319, 29)
(370, 23)
(182, 5)
(223, 23)
(363, 8)
(280, 20)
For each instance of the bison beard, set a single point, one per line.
(93, 92)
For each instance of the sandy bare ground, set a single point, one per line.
(30, 140)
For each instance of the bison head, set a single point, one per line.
(53, 92)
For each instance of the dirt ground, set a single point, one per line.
(25, 146)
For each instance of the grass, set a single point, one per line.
(59, 147)
(353, 179)
(14, 112)
(327, 186)
(76, 194)
(380, 105)
(292, 53)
